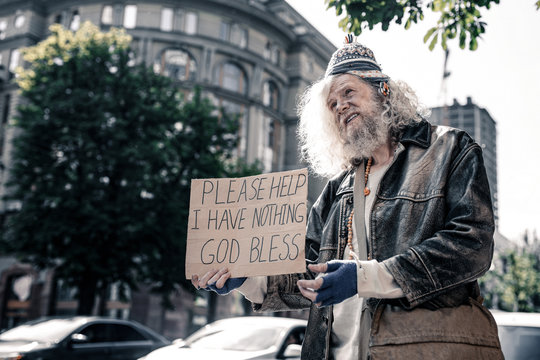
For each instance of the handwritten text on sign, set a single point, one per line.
(253, 226)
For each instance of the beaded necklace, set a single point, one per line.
(349, 223)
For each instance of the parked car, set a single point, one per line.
(241, 338)
(519, 334)
(80, 338)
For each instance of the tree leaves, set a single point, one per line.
(514, 283)
(456, 17)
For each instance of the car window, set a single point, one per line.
(125, 333)
(111, 333)
(296, 336)
(97, 333)
(238, 339)
(520, 342)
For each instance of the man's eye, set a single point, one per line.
(348, 91)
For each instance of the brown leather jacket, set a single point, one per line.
(431, 223)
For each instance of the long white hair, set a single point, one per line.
(321, 145)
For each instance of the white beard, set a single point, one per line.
(361, 140)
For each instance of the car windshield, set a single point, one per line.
(43, 331)
(240, 339)
(520, 342)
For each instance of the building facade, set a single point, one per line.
(479, 124)
(252, 57)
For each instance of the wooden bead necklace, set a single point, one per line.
(366, 176)
(349, 223)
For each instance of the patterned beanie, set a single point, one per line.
(356, 59)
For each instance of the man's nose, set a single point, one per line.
(342, 106)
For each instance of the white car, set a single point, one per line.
(250, 337)
(519, 334)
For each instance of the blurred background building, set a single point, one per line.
(479, 124)
(251, 57)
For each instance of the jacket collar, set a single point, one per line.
(418, 134)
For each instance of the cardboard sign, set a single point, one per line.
(253, 226)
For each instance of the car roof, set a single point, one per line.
(516, 318)
(75, 320)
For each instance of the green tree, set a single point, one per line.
(103, 163)
(515, 283)
(457, 18)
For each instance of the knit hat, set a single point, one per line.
(354, 58)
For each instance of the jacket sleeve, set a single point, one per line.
(453, 257)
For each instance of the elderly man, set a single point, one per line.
(398, 236)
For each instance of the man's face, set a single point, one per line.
(357, 112)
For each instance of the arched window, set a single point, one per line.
(177, 64)
(271, 95)
(231, 77)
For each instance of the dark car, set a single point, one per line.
(80, 338)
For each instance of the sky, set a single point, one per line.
(502, 76)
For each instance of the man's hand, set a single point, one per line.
(339, 283)
(219, 281)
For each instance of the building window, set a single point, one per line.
(224, 30)
(107, 15)
(271, 95)
(266, 146)
(238, 36)
(167, 17)
(19, 20)
(14, 60)
(58, 18)
(267, 51)
(233, 33)
(5, 110)
(75, 21)
(272, 53)
(4, 121)
(231, 77)
(237, 111)
(176, 64)
(191, 23)
(276, 56)
(130, 16)
(3, 27)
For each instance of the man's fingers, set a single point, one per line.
(217, 275)
(310, 284)
(222, 279)
(307, 293)
(309, 288)
(318, 268)
(203, 282)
